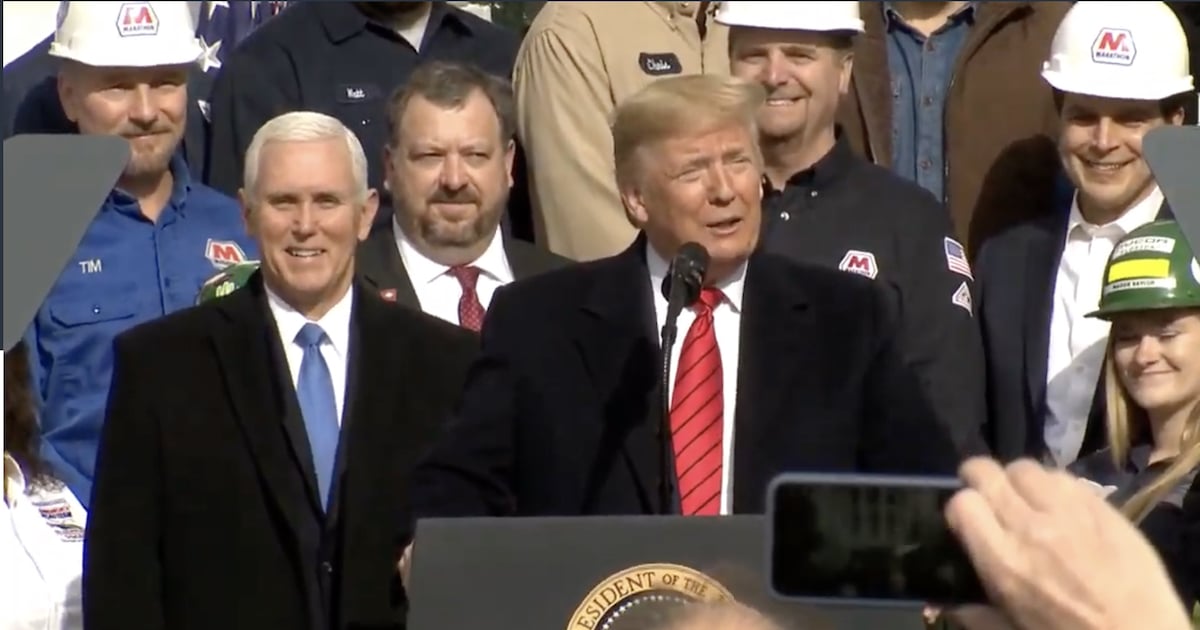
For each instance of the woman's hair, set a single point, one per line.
(20, 416)
(1127, 424)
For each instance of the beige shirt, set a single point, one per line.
(577, 62)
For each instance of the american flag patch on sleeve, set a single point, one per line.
(956, 258)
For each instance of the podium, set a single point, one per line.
(603, 573)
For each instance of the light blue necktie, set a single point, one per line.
(315, 393)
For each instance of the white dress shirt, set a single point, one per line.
(41, 554)
(1077, 343)
(727, 321)
(437, 291)
(335, 349)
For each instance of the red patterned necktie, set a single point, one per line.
(470, 311)
(697, 413)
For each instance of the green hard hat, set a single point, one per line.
(1152, 268)
(227, 281)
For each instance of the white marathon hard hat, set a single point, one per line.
(792, 16)
(1134, 50)
(126, 34)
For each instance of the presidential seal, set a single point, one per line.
(643, 591)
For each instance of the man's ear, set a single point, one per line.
(369, 208)
(65, 85)
(244, 200)
(847, 71)
(635, 203)
(510, 156)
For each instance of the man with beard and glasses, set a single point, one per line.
(448, 165)
(156, 239)
(344, 59)
(824, 205)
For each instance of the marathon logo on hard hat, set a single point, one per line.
(224, 253)
(136, 19)
(1114, 46)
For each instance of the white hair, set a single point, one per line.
(304, 127)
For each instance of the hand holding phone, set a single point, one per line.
(870, 539)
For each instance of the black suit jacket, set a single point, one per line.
(382, 269)
(1015, 277)
(205, 512)
(560, 414)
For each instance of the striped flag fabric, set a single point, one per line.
(223, 24)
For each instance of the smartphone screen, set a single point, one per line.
(869, 539)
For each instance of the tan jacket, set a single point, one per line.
(578, 60)
(1000, 124)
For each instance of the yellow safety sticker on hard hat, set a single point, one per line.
(1141, 268)
(1160, 244)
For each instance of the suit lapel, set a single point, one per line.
(618, 343)
(382, 269)
(247, 350)
(777, 330)
(1045, 250)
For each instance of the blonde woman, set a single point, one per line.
(41, 521)
(1151, 297)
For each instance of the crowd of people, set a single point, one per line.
(392, 261)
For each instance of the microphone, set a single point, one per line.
(681, 288)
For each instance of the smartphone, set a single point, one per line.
(867, 540)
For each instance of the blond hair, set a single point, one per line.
(675, 106)
(1124, 420)
(301, 126)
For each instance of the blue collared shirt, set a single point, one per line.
(126, 271)
(922, 71)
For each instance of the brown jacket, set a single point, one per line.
(1000, 119)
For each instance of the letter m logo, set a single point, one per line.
(137, 18)
(1114, 46)
(224, 253)
(859, 262)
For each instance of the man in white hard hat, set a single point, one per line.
(159, 235)
(824, 205)
(1119, 70)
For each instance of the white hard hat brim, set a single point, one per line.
(843, 26)
(172, 55)
(1108, 89)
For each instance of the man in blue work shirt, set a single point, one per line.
(158, 236)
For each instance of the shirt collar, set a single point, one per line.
(1140, 214)
(679, 8)
(829, 168)
(181, 186)
(733, 286)
(335, 323)
(421, 270)
(966, 13)
(342, 20)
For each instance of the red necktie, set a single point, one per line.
(697, 413)
(470, 311)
